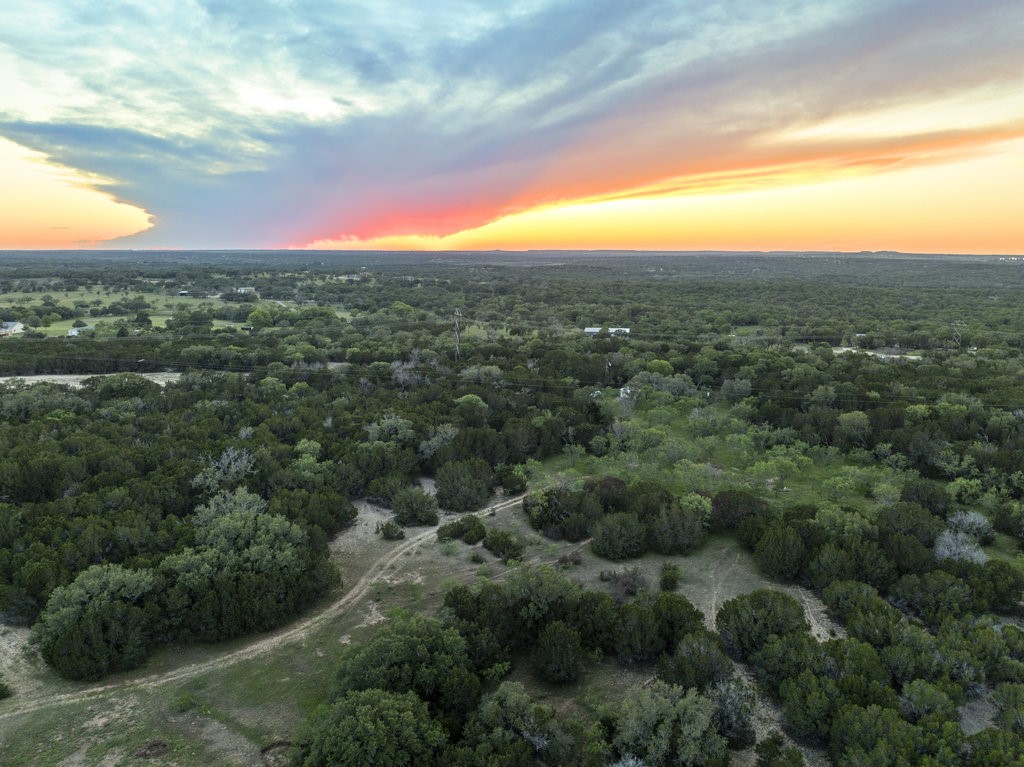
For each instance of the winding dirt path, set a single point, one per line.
(718, 576)
(26, 704)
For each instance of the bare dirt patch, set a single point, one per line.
(977, 713)
(152, 749)
(19, 663)
(75, 381)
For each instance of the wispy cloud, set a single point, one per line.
(260, 124)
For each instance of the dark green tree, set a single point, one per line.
(101, 622)
(464, 485)
(745, 622)
(414, 507)
(370, 728)
(558, 654)
(619, 536)
(414, 653)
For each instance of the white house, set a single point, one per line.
(10, 328)
(611, 331)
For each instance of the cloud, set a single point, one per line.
(259, 124)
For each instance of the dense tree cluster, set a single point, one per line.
(132, 515)
(624, 520)
(452, 667)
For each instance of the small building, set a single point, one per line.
(183, 293)
(10, 328)
(611, 331)
(245, 291)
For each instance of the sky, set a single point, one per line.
(836, 125)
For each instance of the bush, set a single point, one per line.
(99, 623)
(5, 691)
(746, 621)
(780, 552)
(414, 507)
(464, 485)
(512, 478)
(468, 529)
(558, 654)
(628, 581)
(670, 575)
(697, 661)
(390, 531)
(503, 545)
(619, 536)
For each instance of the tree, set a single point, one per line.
(696, 661)
(734, 711)
(414, 653)
(773, 752)
(99, 623)
(809, 702)
(665, 725)
(872, 735)
(414, 507)
(248, 571)
(637, 635)
(780, 552)
(464, 485)
(509, 730)
(558, 654)
(618, 536)
(371, 727)
(679, 527)
(745, 622)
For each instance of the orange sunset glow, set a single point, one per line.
(788, 126)
(47, 206)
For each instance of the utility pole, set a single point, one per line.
(458, 316)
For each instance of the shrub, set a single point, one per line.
(619, 536)
(670, 575)
(558, 654)
(697, 661)
(628, 581)
(503, 545)
(746, 621)
(390, 531)
(464, 485)
(468, 529)
(414, 507)
(512, 478)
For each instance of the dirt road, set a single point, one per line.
(27, 703)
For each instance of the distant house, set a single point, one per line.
(182, 293)
(245, 291)
(10, 328)
(611, 331)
